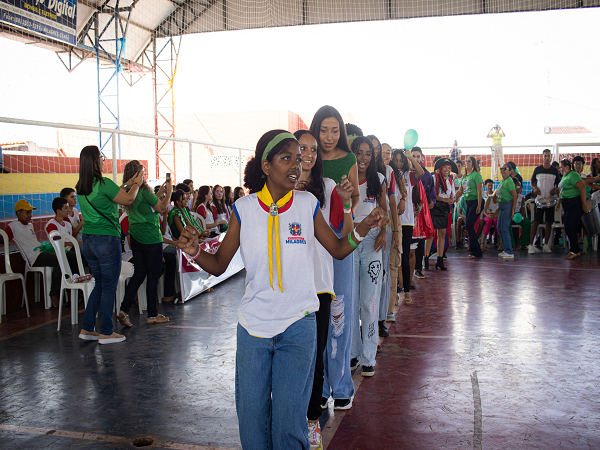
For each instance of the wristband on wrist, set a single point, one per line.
(347, 211)
(349, 205)
(357, 236)
(384, 227)
(197, 254)
(352, 243)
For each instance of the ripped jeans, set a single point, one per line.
(367, 291)
(337, 381)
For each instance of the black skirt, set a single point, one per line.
(439, 215)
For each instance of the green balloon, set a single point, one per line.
(410, 139)
(518, 218)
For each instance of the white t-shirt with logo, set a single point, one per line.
(264, 311)
(54, 225)
(25, 236)
(367, 204)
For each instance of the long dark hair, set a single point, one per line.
(594, 173)
(131, 169)
(373, 184)
(473, 163)
(399, 170)
(236, 193)
(323, 113)
(89, 170)
(201, 198)
(254, 177)
(316, 186)
(177, 196)
(219, 204)
(379, 165)
(228, 201)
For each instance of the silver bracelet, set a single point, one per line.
(356, 235)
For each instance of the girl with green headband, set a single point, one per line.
(276, 230)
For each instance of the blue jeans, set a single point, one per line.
(273, 383)
(103, 254)
(384, 299)
(471, 218)
(367, 290)
(337, 381)
(503, 224)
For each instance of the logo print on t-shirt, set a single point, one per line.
(295, 229)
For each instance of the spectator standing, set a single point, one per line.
(472, 190)
(544, 184)
(573, 199)
(455, 152)
(146, 244)
(496, 133)
(99, 198)
(424, 245)
(506, 195)
(445, 193)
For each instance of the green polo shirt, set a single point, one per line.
(567, 185)
(470, 185)
(102, 195)
(144, 224)
(506, 186)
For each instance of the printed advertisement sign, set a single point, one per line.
(55, 19)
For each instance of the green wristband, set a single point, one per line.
(352, 243)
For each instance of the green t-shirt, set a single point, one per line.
(335, 168)
(144, 224)
(506, 186)
(567, 185)
(470, 185)
(101, 197)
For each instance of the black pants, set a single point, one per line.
(314, 405)
(50, 260)
(147, 260)
(419, 252)
(573, 213)
(471, 217)
(407, 232)
(170, 256)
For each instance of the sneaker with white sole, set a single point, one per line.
(546, 249)
(368, 371)
(112, 339)
(314, 435)
(390, 317)
(505, 255)
(324, 402)
(342, 404)
(531, 249)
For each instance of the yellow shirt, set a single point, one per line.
(497, 138)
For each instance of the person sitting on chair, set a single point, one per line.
(22, 232)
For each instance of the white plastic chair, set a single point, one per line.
(200, 220)
(126, 274)
(44, 271)
(67, 275)
(8, 276)
(558, 225)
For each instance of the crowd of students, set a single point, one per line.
(313, 307)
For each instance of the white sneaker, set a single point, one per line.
(546, 249)
(505, 255)
(531, 249)
(314, 435)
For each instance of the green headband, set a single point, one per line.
(276, 140)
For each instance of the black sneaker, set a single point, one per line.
(353, 363)
(383, 331)
(419, 274)
(368, 371)
(324, 402)
(342, 403)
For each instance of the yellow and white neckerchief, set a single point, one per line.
(265, 196)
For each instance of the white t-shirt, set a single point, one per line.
(519, 203)
(25, 236)
(450, 189)
(492, 206)
(124, 222)
(54, 225)
(75, 218)
(264, 311)
(391, 185)
(367, 204)
(323, 260)
(408, 217)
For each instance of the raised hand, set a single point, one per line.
(344, 189)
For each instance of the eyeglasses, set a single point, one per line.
(218, 192)
(503, 169)
(103, 156)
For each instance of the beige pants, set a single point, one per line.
(394, 264)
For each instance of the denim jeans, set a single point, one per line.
(273, 382)
(471, 218)
(103, 254)
(337, 381)
(147, 262)
(384, 299)
(367, 290)
(503, 224)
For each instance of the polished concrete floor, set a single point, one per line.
(492, 354)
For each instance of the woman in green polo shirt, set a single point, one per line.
(146, 243)
(99, 198)
(507, 201)
(572, 197)
(472, 189)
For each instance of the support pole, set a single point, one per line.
(114, 157)
(190, 156)
(240, 162)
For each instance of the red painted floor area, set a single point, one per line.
(525, 334)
